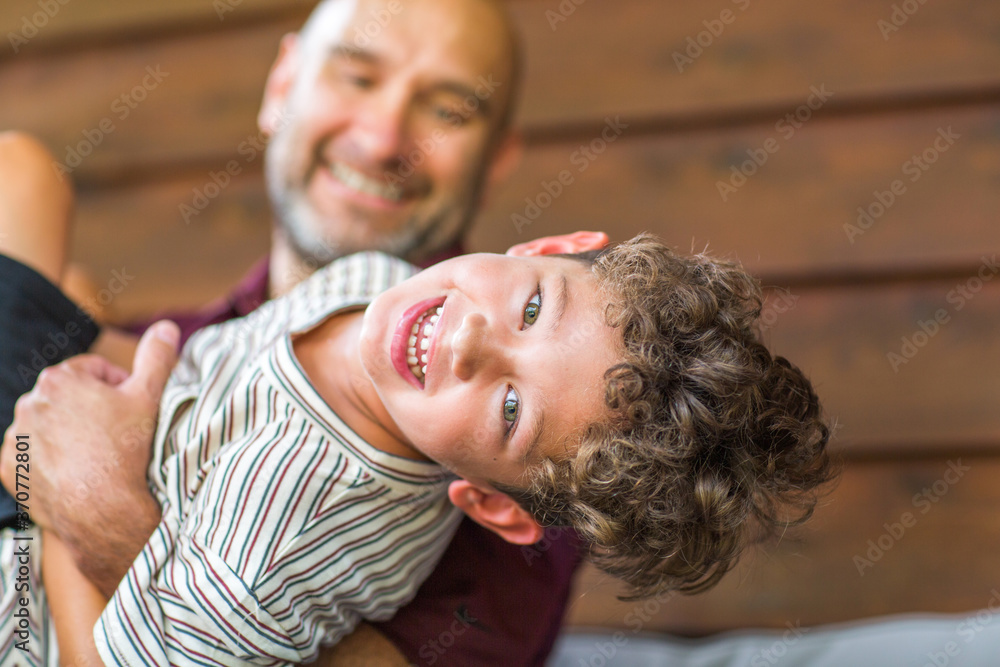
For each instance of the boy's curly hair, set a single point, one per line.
(712, 444)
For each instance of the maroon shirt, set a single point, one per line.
(488, 603)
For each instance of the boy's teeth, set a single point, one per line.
(363, 184)
(420, 341)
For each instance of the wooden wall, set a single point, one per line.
(846, 294)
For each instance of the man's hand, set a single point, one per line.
(90, 426)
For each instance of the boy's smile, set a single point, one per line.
(488, 363)
(412, 342)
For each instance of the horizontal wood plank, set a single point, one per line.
(891, 538)
(175, 260)
(188, 100)
(39, 26)
(605, 59)
(794, 220)
(900, 368)
(797, 214)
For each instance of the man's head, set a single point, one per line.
(388, 118)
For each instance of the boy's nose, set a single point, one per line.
(474, 348)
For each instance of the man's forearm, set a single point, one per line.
(105, 547)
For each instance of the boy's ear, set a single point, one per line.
(279, 83)
(560, 245)
(496, 511)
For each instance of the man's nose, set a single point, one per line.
(381, 126)
(476, 349)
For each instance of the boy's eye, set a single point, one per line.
(511, 407)
(532, 309)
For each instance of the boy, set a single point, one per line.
(300, 457)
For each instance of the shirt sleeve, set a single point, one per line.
(289, 545)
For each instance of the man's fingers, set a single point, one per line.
(97, 367)
(154, 359)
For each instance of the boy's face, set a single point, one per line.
(514, 362)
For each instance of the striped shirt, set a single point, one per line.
(281, 528)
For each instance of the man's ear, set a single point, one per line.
(560, 245)
(496, 511)
(279, 83)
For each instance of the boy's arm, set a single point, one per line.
(74, 602)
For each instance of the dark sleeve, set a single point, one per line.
(488, 603)
(39, 327)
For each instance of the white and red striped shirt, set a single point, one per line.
(281, 528)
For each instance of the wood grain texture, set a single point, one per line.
(794, 221)
(606, 59)
(797, 214)
(48, 25)
(943, 559)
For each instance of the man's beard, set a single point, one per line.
(301, 226)
(415, 239)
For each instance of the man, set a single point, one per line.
(382, 139)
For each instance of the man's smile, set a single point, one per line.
(359, 182)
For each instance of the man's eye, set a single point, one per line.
(532, 309)
(362, 82)
(511, 407)
(450, 116)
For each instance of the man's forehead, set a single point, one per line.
(473, 29)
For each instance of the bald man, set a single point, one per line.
(389, 120)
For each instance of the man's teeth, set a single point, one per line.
(420, 338)
(363, 184)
